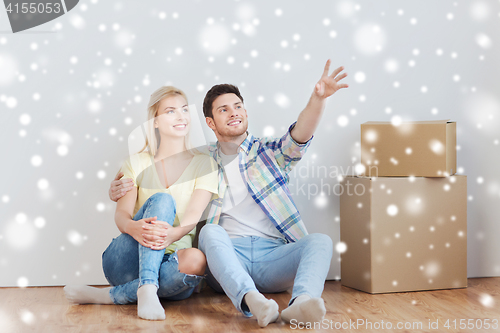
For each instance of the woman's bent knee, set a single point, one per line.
(163, 198)
(192, 261)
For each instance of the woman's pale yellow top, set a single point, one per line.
(201, 173)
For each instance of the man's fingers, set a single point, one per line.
(337, 71)
(121, 190)
(119, 184)
(118, 196)
(122, 183)
(125, 190)
(118, 193)
(327, 68)
(115, 194)
(340, 77)
(320, 88)
(343, 85)
(119, 175)
(115, 189)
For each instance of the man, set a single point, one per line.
(254, 239)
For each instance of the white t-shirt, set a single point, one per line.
(242, 216)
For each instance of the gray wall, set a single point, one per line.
(71, 94)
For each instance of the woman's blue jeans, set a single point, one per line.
(128, 265)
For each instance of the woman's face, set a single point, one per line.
(173, 118)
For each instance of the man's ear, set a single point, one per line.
(210, 122)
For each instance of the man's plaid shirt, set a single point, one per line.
(265, 164)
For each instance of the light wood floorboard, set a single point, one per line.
(45, 309)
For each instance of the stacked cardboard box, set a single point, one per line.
(405, 221)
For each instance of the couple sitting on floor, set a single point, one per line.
(254, 239)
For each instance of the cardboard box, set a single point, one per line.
(419, 148)
(404, 233)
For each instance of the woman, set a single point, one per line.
(172, 186)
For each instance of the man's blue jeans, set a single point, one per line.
(239, 265)
(128, 265)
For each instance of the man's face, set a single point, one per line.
(229, 117)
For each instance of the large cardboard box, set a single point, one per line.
(404, 233)
(419, 148)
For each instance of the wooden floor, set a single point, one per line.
(45, 309)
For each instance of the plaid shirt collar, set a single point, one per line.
(245, 146)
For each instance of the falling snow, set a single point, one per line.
(66, 110)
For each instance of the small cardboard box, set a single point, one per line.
(418, 148)
(404, 233)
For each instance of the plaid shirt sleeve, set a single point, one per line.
(287, 151)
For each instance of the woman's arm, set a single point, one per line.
(125, 223)
(196, 206)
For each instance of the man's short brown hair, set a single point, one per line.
(215, 92)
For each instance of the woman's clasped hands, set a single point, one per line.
(152, 233)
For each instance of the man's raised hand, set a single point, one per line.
(329, 84)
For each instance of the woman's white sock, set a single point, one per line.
(87, 295)
(148, 303)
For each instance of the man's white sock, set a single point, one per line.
(265, 310)
(305, 309)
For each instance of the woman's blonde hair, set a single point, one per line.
(153, 138)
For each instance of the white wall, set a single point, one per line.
(451, 48)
